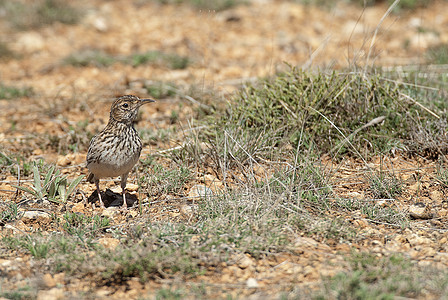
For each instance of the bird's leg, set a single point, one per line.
(124, 177)
(97, 183)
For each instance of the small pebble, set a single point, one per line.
(252, 283)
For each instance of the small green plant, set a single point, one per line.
(75, 223)
(9, 212)
(176, 62)
(373, 277)
(438, 54)
(40, 189)
(53, 187)
(160, 90)
(144, 58)
(377, 213)
(165, 180)
(174, 116)
(384, 184)
(26, 292)
(40, 13)
(171, 294)
(35, 244)
(51, 11)
(37, 248)
(13, 161)
(152, 136)
(442, 174)
(90, 57)
(65, 189)
(79, 224)
(10, 92)
(100, 223)
(323, 110)
(216, 5)
(5, 160)
(173, 61)
(98, 58)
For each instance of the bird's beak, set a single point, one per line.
(147, 100)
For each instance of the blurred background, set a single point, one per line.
(62, 62)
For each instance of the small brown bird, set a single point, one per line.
(116, 149)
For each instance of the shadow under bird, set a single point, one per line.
(116, 149)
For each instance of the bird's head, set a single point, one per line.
(125, 108)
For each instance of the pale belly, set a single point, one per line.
(112, 167)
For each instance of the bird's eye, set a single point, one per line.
(125, 105)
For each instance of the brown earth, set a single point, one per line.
(228, 48)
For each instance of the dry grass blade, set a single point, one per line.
(372, 42)
(371, 123)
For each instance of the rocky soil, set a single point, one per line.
(226, 48)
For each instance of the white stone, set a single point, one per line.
(200, 191)
(110, 211)
(34, 214)
(420, 211)
(252, 283)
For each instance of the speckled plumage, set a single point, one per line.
(116, 149)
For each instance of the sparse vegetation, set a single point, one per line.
(8, 213)
(425, 88)
(438, 54)
(307, 184)
(335, 113)
(84, 226)
(5, 52)
(216, 5)
(172, 61)
(154, 136)
(90, 58)
(402, 5)
(384, 185)
(442, 173)
(257, 213)
(25, 292)
(98, 58)
(54, 187)
(160, 90)
(162, 180)
(372, 277)
(40, 13)
(10, 92)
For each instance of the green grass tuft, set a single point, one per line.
(98, 58)
(160, 89)
(438, 54)
(40, 13)
(8, 212)
(215, 5)
(53, 187)
(173, 61)
(10, 92)
(89, 58)
(384, 185)
(373, 277)
(162, 180)
(299, 107)
(333, 113)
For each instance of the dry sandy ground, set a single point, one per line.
(227, 49)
